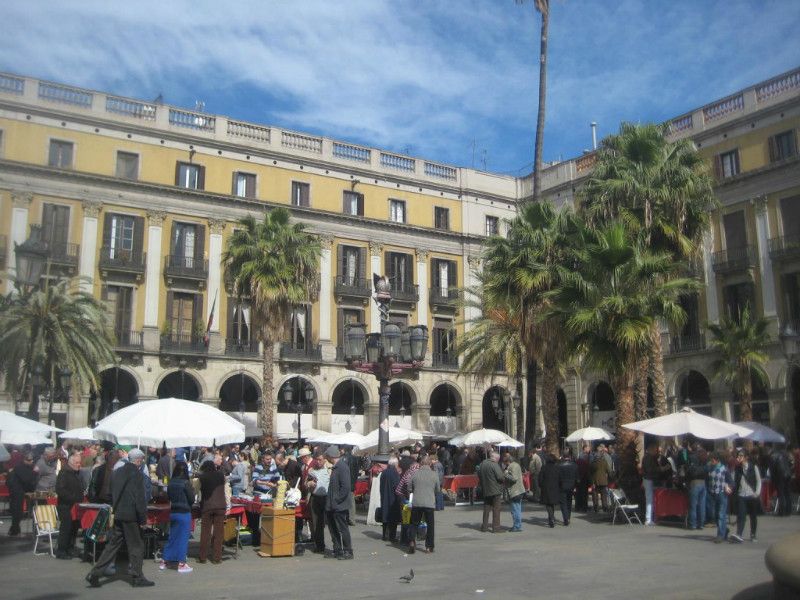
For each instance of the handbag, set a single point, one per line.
(378, 514)
(294, 495)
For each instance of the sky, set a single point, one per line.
(453, 81)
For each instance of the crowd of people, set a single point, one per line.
(323, 480)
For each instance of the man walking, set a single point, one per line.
(491, 477)
(516, 490)
(69, 488)
(719, 486)
(424, 484)
(319, 477)
(337, 506)
(130, 513)
(696, 476)
(567, 478)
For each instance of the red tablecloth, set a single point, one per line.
(459, 482)
(669, 503)
(526, 481)
(362, 486)
(157, 514)
(767, 492)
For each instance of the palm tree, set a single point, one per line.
(275, 266)
(740, 344)
(524, 267)
(663, 193)
(54, 327)
(608, 300)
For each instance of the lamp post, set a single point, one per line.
(386, 354)
(305, 397)
(30, 257)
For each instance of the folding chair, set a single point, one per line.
(45, 522)
(621, 505)
(97, 533)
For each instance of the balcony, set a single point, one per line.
(244, 348)
(444, 297)
(185, 267)
(349, 287)
(734, 259)
(445, 361)
(311, 353)
(64, 254)
(786, 247)
(183, 343)
(129, 340)
(687, 343)
(127, 262)
(407, 292)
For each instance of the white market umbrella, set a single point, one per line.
(82, 434)
(480, 437)
(318, 436)
(398, 436)
(761, 433)
(589, 434)
(688, 422)
(33, 438)
(171, 422)
(346, 438)
(510, 442)
(14, 427)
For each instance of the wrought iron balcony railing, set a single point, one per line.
(127, 261)
(444, 296)
(183, 342)
(311, 353)
(784, 247)
(129, 340)
(445, 360)
(235, 347)
(356, 287)
(176, 265)
(687, 343)
(734, 259)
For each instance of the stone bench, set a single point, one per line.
(783, 561)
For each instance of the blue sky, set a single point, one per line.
(450, 81)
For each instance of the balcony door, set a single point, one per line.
(239, 321)
(183, 311)
(400, 270)
(790, 218)
(300, 327)
(735, 232)
(119, 303)
(55, 227)
(443, 275)
(352, 264)
(187, 245)
(122, 236)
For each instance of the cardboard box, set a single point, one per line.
(277, 532)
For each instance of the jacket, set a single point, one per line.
(600, 471)
(22, 479)
(127, 494)
(338, 498)
(513, 477)
(390, 503)
(568, 475)
(492, 479)
(424, 485)
(550, 483)
(69, 487)
(47, 475)
(181, 495)
(212, 491)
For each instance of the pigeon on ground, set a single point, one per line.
(407, 578)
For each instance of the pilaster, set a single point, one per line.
(91, 212)
(765, 264)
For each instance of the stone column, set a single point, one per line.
(152, 290)
(325, 298)
(19, 226)
(712, 305)
(89, 259)
(376, 251)
(422, 286)
(216, 228)
(470, 281)
(767, 276)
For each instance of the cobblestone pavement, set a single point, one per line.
(589, 559)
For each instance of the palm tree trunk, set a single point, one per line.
(629, 478)
(543, 6)
(266, 416)
(655, 359)
(550, 407)
(640, 392)
(530, 403)
(746, 401)
(520, 412)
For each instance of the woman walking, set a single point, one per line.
(747, 490)
(550, 487)
(212, 509)
(181, 498)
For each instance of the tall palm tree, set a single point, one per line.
(543, 6)
(740, 344)
(608, 300)
(274, 265)
(54, 327)
(662, 191)
(524, 267)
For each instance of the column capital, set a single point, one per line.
(326, 241)
(474, 262)
(217, 226)
(375, 248)
(91, 208)
(156, 217)
(422, 254)
(21, 199)
(760, 202)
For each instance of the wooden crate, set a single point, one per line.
(277, 532)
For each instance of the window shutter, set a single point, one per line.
(233, 183)
(200, 242)
(339, 328)
(201, 178)
(107, 229)
(173, 249)
(104, 292)
(138, 235)
(360, 203)
(435, 273)
(47, 222)
(718, 166)
(230, 303)
(409, 278)
(772, 144)
(170, 302)
(177, 173)
(453, 274)
(340, 260)
(362, 264)
(345, 203)
(197, 311)
(389, 264)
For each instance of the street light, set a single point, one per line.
(30, 257)
(393, 351)
(307, 399)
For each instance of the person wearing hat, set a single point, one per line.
(337, 505)
(130, 513)
(21, 480)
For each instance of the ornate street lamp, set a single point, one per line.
(306, 399)
(391, 352)
(30, 257)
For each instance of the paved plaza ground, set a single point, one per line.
(588, 559)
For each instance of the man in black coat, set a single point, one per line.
(69, 488)
(21, 481)
(130, 513)
(550, 486)
(568, 477)
(337, 506)
(354, 465)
